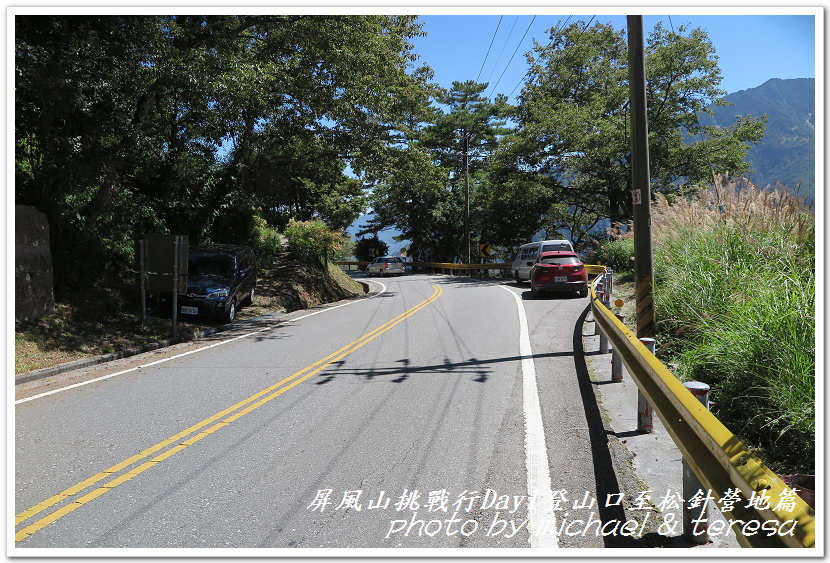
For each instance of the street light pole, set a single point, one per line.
(640, 180)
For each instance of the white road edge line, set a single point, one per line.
(541, 520)
(97, 379)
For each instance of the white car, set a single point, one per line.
(384, 265)
(529, 252)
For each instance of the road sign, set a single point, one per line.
(163, 263)
(162, 255)
(375, 253)
(484, 250)
(637, 197)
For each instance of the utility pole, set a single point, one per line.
(640, 180)
(467, 196)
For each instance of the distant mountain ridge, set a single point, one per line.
(787, 152)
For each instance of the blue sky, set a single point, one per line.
(751, 49)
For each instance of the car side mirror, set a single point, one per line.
(530, 263)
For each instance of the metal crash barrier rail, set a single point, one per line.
(439, 266)
(721, 462)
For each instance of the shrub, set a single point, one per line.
(266, 242)
(346, 251)
(244, 224)
(616, 252)
(312, 242)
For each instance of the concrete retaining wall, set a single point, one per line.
(33, 289)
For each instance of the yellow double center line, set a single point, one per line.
(195, 433)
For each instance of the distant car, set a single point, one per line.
(384, 265)
(220, 279)
(558, 271)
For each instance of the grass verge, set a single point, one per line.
(735, 308)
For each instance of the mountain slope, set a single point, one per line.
(787, 152)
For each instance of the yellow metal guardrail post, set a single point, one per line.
(723, 464)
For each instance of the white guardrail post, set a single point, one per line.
(692, 486)
(616, 361)
(602, 293)
(598, 289)
(645, 414)
(609, 278)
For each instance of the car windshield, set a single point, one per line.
(555, 247)
(559, 260)
(210, 265)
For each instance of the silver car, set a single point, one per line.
(384, 265)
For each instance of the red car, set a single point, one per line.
(558, 271)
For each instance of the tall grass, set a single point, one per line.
(735, 307)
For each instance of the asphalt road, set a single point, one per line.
(428, 415)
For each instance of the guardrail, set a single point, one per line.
(443, 266)
(720, 461)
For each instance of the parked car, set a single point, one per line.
(528, 253)
(384, 265)
(558, 271)
(220, 279)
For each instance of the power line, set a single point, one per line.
(514, 53)
(509, 35)
(522, 81)
(566, 22)
(488, 48)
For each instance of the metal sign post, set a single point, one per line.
(163, 257)
(143, 275)
(176, 288)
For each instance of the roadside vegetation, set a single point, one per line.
(735, 307)
(103, 321)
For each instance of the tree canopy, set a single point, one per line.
(424, 194)
(562, 165)
(573, 121)
(194, 124)
(213, 126)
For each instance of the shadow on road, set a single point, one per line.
(405, 370)
(604, 472)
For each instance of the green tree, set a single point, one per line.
(409, 198)
(78, 147)
(573, 120)
(366, 248)
(333, 90)
(424, 193)
(202, 125)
